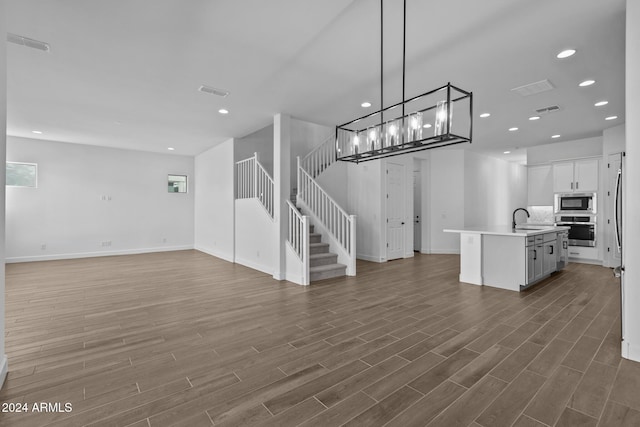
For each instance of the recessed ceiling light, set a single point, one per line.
(601, 103)
(534, 118)
(555, 136)
(566, 53)
(36, 131)
(170, 148)
(427, 126)
(484, 115)
(611, 118)
(365, 104)
(506, 152)
(223, 111)
(587, 83)
(513, 129)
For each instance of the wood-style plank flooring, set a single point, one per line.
(185, 339)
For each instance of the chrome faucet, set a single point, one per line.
(513, 224)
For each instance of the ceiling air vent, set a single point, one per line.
(24, 41)
(549, 109)
(213, 91)
(533, 88)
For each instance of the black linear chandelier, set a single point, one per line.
(429, 123)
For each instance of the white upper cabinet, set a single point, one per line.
(586, 175)
(578, 176)
(540, 186)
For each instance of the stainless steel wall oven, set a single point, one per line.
(582, 229)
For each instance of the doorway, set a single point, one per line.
(395, 211)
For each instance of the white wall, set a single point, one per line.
(305, 136)
(446, 196)
(255, 234)
(65, 217)
(613, 141)
(260, 142)
(492, 190)
(366, 202)
(3, 132)
(631, 223)
(214, 201)
(587, 147)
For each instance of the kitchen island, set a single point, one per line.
(507, 258)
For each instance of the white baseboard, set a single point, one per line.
(370, 258)
(446, 251)
(278, 275)
(4, 368)
(215, 253)
(256, 266)
(586, 261)
(55, 257)
(630, 351)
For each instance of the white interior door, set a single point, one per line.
(417, 211)
(395, 211)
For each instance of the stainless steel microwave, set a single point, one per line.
(579, 203)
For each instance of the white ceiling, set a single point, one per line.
(125, 73)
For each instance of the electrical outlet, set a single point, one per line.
(43, 246)
(105, 243)
(258, 254)
(164, 240)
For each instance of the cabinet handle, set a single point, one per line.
(551, 253)
(577, 183)
(564, 245)
(572, 185)
(535, 254)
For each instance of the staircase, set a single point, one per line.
(322, 263)
(332, 242)
(321, 236)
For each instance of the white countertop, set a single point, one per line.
(504, 230)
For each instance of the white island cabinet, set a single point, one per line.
(505, 258)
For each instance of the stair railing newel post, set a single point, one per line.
(304, 250)
(255, 175)
(352, 244)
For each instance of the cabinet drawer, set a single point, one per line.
(539, 238)
(549, 237)
(531, 240)
(581, 252)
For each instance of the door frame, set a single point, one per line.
(385, 199)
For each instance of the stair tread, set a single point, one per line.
(323, 255)
(326, 267)
(318, 244)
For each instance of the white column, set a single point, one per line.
(282, 189)
(631, 219)
(3, 158)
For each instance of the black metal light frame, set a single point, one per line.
(349, 131)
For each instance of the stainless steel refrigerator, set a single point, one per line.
(617, 162)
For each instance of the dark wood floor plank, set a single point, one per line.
(550, 402)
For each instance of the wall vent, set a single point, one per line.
(25, 41)
(533, 88)
(547, 110)
(213, 91)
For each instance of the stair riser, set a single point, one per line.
(319, 249)
(323, 261)
(315, 239)
(342, 271)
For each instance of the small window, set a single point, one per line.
(22, 174)
(177, 183)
